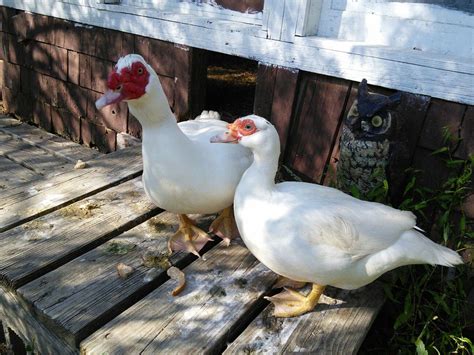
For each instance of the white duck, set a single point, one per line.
(312, 233)
(182, 172)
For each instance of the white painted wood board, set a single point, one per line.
(424, 27)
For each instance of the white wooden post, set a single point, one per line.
(283, 19)
(308, 17)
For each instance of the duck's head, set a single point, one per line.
(253, 132)
(129, 80)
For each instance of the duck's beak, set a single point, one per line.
(229, 136)
(109, 98)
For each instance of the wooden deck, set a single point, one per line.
(64, 230)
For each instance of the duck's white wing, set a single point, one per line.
(329, 216)
(205, 126)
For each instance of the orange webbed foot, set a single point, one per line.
(188, 237)
(290, 303)
(224, 226)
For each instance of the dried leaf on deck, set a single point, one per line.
(80, 164)
(124, 270)
(176, 274)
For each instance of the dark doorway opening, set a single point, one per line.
(230, 85)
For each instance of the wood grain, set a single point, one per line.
(441, 116)
(21, 204)
(12, 174)
(338, 325)
(31, 331)
(36, 247)
(80, 296)
(466, 148)
(284, 96)
(31, 157)
(266, 76)
(220, 293)
(49, 142)
(319, 113)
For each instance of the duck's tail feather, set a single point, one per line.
(423, 250)
(208, 115)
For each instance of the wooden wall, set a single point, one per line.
(307, 110)
(54, 70)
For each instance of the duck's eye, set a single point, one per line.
(248, 127)
(377, 121)
(118, 88)
(140, 71)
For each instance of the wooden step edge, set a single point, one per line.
(16, 316)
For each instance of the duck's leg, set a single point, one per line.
(188, 237)
(224, 226)
(290, 303)
(283, 281)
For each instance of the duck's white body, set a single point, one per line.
(182, 172)
(317, 234)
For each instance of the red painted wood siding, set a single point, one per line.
(54, 70)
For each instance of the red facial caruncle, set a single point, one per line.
(241, 128)
(128, 83)
(131, 82)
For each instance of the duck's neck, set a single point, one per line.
(260, 176)
(152, 109)
(160, 131)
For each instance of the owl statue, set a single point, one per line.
(365, 144)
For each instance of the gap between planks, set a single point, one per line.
(221, 292)
(224, 295)
(77, 298)
(23, 204)
(34, 248)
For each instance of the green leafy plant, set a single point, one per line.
(428, 304)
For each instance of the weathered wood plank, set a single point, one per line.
(24, 203)
(443, 118)
(466, 148)
(34, 248)
(17, 317)
(329, 178)
(49, 142)
(31, 157)
(12, 174)
(338, 325)
(7, 121)
(286, 85)
(80, 296)
(220, 294)
(266, 76)
(320, 113)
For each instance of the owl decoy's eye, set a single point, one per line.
(376, 121)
